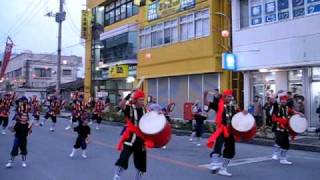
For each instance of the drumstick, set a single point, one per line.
(139, 83)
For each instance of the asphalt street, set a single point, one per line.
(48, 159)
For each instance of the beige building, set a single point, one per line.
(29, 73)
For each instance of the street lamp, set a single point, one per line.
(226, 31)
(64, 62)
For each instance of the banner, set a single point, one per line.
(119, 71)
(6, 57)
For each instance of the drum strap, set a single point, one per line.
(134, 114)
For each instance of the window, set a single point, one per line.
(157, 34)
(129, 9)
(256, 12)
(17, 73)
(313, 6)
(244, 16)
(283, 9)
(171, 31)
(192, 25)
(123, 11)
(298, 8)
(145, 38)
(119, 10)
(42, 72)
(267, 11)
(316, 73)
(202, 23)
(66, 72)
(186, 27)
(270, 11)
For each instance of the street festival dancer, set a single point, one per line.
(54, 109)
(22, 129)
(223, 136)
(36, 107)
(97, 112)
(76, 111)
(84, 131)
(5, 105)
(280, 118)
(89, 106)
(133, 142)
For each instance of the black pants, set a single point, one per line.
(19, 143)
(139, 157)
(199, 125)
(269, 121)
(229, 146)
(282, 139)
(4, 121)
(53, 118)
(259, 121)
(80, 142)
(76, 119)
(97, 118)
(36, 117)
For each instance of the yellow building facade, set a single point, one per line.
(179, 49)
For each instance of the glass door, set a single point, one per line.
(315, 103)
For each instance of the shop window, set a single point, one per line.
(316, 73)
(295, 75)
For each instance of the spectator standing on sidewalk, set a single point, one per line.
(257, 111)
(268, 108)
(299, 103)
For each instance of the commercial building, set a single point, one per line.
(277, 48)
(175, 45)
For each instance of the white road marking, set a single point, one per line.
(238, 162)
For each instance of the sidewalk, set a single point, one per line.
(305, 143)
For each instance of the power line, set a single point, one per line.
(22, 16)
(39, 8)
(71, 19)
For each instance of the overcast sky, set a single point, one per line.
(25, 22)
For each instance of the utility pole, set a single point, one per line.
(60, 17)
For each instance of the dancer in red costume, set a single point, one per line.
(133, 141)
(223, 136)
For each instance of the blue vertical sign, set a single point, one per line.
(229, 61)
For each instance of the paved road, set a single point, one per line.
(48, 159)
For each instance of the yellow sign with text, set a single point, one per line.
(119, 71)
(168, 7)
(85, 23)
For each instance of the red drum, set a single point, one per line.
(156, 128)
(298, 124)
(243, 126)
